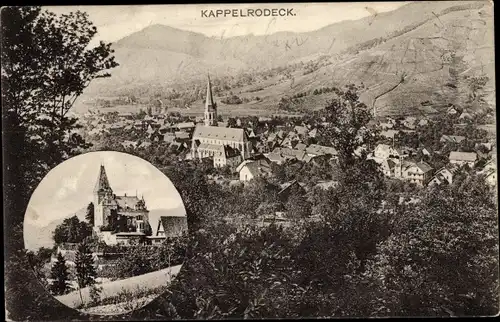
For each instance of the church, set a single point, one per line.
(226, 146)
(118, 219)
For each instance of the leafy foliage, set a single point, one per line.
(72, 230)
(89, 216)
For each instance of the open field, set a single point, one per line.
(110, 289)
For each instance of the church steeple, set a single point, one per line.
(210, 107)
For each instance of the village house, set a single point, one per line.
(182, 136)
(129, 144)
(185, 126)
(288, 187)
(409, 122)
(249, 169)
(168, 227)
(290, 154)
(452, 139)
(277, 158)
(419, 173)
(325, 185)
(384, 151)
(314, 150)
(485, 146)
(466, 116)
(423, 122)
(156, 136)
(300, 146)
(225, 155)
(444, 175)
(169, 137)
(301, 130)
(389, 134)
(451, 111)
(490, 171)
(313, 133)
(386, 125)
(387, 166)
(426, 151)
(462, 158)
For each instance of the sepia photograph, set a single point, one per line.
(250, 161)
(105, 232)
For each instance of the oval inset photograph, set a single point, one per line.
(105, 232)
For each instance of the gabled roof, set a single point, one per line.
(181, 135)
(184, 125)
(389, 133)
(288, 185)
(258, 168)
(125, 202)
(321, 149)
(425, 167)
(463, 156)
(452, 138)
(172, 226)
(301, 129)
(300, 147)
(325, 185)
(275, 157)
(287, 152)
(220, 133)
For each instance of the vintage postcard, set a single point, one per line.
(250, 161)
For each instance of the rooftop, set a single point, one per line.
(221, 133)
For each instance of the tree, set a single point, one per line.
(445, 252)
(90, 214)
(46, 64)
(42, 76)
(297, 206)
(348, 118)
(37, 260)
(231, 122)
(59, 274)
(85, 269)
(72, 230)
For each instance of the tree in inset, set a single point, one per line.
(85, 269)
(59, 274)
(90, 213)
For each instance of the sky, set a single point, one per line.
(69, 186)
(116, 22)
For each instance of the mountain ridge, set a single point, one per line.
(152, 57)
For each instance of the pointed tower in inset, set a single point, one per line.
(102, 192)
(102, 187)
(210, 107)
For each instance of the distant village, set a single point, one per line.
(407, 149)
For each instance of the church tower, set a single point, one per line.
(210, 107)
(102, 193)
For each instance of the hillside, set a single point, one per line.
(36, 236)
(420, 52)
